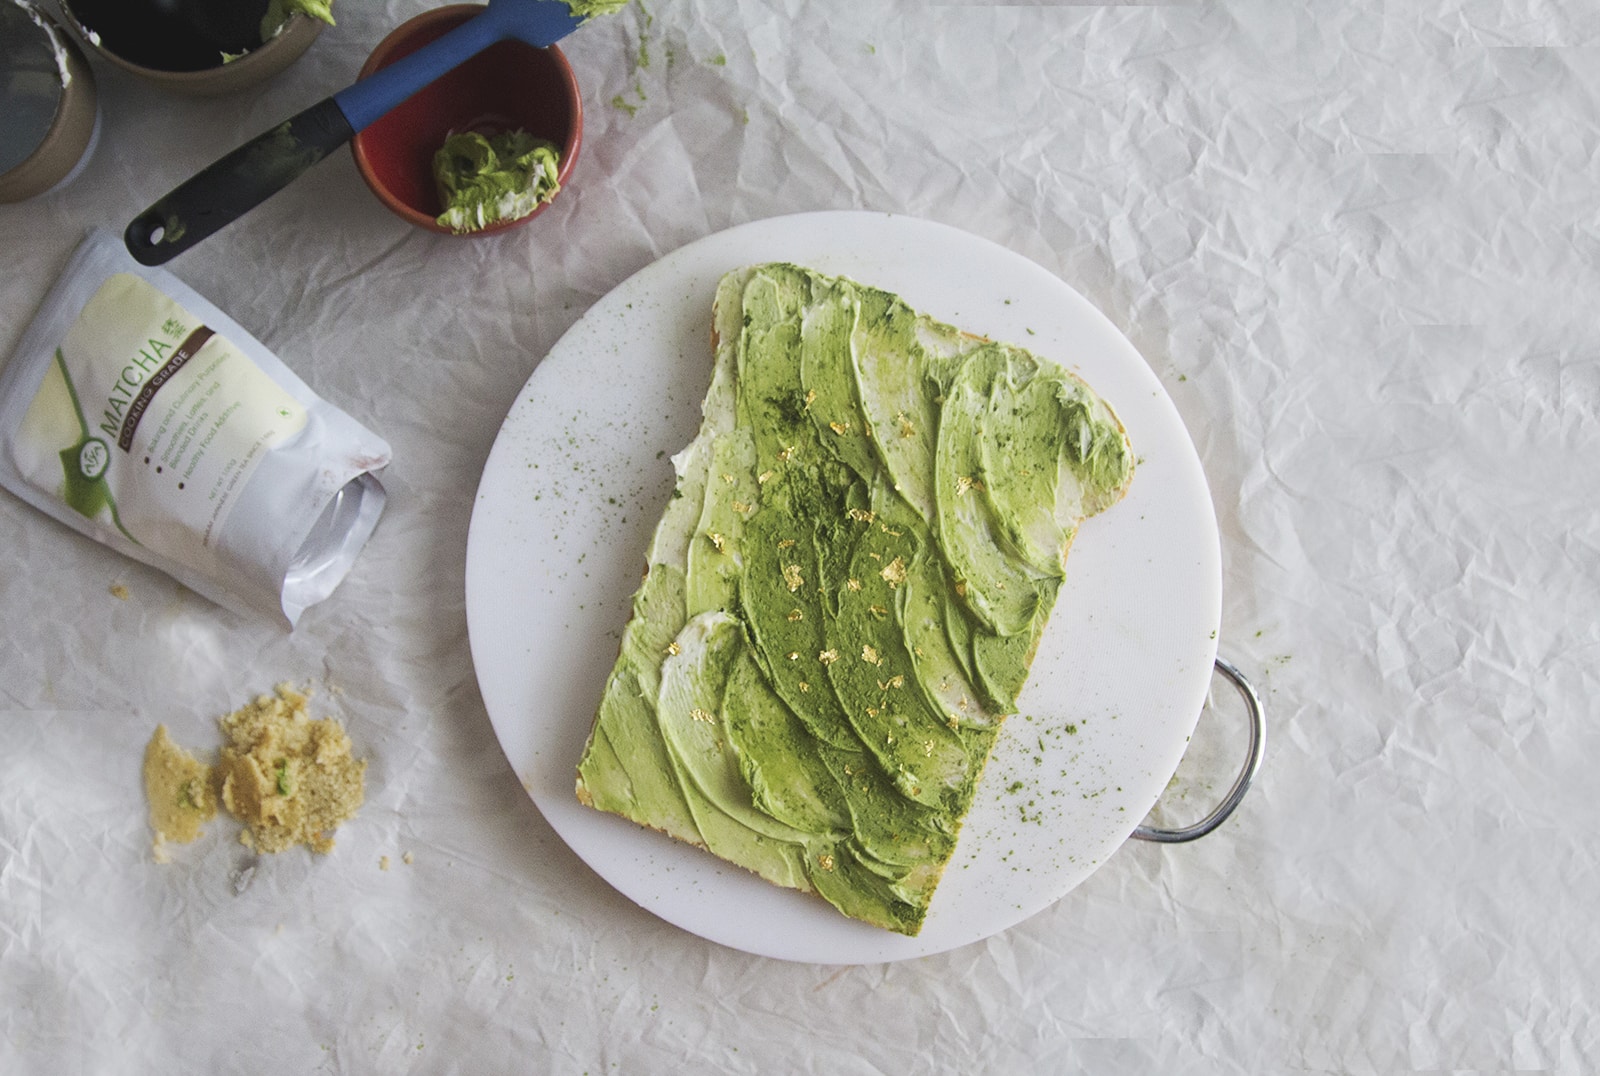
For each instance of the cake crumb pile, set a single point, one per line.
(287, 778)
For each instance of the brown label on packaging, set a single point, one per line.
(186, 351)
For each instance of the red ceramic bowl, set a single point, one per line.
(506, 86)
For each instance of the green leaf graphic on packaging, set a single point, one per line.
(84, 464)
(84, 487)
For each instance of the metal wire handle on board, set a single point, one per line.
(1241, 784)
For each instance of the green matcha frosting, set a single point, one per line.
(588, 9)
(482, 179)
(280, 11)
(845, 592)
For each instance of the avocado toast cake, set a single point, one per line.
(846, 590)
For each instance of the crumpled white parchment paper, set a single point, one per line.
(1357, 244)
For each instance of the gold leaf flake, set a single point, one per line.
(791, 576)
(828, 657)
(906, 428)
(786, 543)
(793, 655)
(878, 611)
(853, 584)
(740, 507)
(804, 687)
(728, 478)
(927, 748)
(894, 573)
(796, 615)
(825, 861)
(764, 477)
(869, 655)
(811, 397)
(716, 540)
(672, 648)
(840, 428)
(861, 515)
(700, 715)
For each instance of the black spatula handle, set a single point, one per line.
(237, 183)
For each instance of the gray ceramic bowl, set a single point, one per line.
(254, 67)
(48, 106)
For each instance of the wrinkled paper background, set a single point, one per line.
(1358, 246)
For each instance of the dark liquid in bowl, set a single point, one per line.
(173, 35)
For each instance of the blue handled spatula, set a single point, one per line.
(248, 176)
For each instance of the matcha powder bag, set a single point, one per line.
(137, 413)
